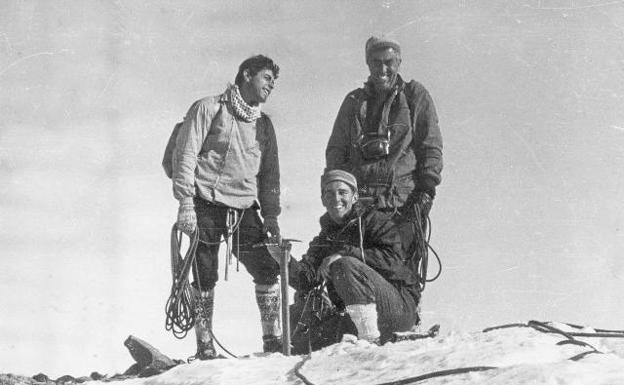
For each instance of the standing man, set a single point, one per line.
(225, 170)
(387, 135)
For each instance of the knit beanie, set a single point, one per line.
(338, 175)
(374, 43)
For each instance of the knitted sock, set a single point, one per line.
(365, 319)
(268, 299)
(203, 324)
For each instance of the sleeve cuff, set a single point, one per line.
(187, 201)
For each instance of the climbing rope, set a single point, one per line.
(179, 311)
(422, 228)
(435, 254)
(179, 314)
(298, 367)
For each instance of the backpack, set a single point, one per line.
(316, 323)
(167, 161)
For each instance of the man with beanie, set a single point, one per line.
(386, 134)
(225, 170)
(359, 255)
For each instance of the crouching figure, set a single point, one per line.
(358, 256)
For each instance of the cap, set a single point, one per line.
(374, 43)
(338, 175)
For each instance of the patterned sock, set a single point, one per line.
(204, 308)
(268, 299)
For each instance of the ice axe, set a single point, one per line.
(280, 252)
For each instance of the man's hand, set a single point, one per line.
(323, 270)
(187, 219)
(271, 227)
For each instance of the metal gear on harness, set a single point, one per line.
(317, 322)
(232, 223)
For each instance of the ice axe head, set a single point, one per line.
(277, 249)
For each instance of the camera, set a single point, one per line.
(374, 146)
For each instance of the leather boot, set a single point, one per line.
(268, 299)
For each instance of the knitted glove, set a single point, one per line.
(271, 226)
(187, 219)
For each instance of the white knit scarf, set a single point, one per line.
(241, 109)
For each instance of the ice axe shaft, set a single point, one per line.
(285, 308)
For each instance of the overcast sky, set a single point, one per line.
(528, 221)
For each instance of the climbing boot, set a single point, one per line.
(268, 299)
(271, 344)
(204, 306)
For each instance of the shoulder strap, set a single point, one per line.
(214, 117)
(409, 89)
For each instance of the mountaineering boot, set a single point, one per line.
(268, 299)
(364, 318)
(271, 344)
(204, 302)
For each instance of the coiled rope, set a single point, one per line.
(179, 312)
(423, 245)
(180, 315)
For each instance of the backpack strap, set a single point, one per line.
(409, 89)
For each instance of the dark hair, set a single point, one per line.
(254, 65)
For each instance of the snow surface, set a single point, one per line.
(521, 355)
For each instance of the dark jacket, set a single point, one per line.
(414, 162)
(382, 250)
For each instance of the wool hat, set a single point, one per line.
(374, 43)
(338, 175)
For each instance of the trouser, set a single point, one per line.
(211, 221)
(357, 283)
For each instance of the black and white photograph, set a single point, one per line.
(296, 192)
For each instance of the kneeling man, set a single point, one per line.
(358, 253)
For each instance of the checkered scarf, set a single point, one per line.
(241, 109)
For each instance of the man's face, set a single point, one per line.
(383, 65)
(256, 89)
(338, 198)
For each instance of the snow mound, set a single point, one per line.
(514, 355)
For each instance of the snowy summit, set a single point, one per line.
(550, 353)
